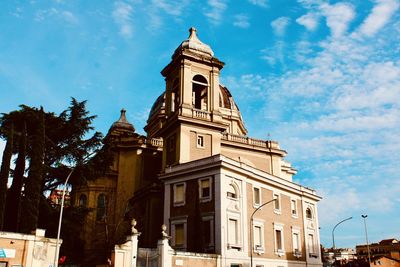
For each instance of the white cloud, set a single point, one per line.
(279, 25)
(380, 15)
(171, 7)
(338, 115)
(66, 16)
(241, 21)
(338, 17)
(69, 17)
(215, 10)
(262, 3)
(310, 21)
(274, 55)
(122, 15)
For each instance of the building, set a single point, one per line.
(383, 261)
(27, 250)
(199, 173)
(338, 256)
(56, 196)
(389, 248)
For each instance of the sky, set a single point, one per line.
(321, 77)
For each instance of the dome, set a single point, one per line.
(158, 105)
(226, 99)
(194, 44)
(122, 123)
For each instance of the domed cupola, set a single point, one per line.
(194, 44)
(122, 124)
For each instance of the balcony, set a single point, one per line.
(201, 114)
(250, 141)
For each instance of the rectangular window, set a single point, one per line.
(179, 235)
(171, 145)
(311, 246)
(256, 196)
(179, 194)
(233, 235)
(278, 239)
(257, 237)
(200, 141)
(207, 233)
(294, 207)
(277, 204)
(296, 243)
(205, 189)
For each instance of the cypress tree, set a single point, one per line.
(34, 183)
(14, 193)
(4, 173)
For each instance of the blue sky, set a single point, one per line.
(321, 77)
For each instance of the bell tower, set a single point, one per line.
(193, 123)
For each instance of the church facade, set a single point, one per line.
(217, 190)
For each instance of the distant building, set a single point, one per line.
(199, 173)
(56, 196)
(340, 256)
(389, 248)
(383, 261)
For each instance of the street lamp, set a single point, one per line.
(366, 237)
(251, 229)
(333, 232)
(60, 219)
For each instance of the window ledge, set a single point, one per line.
(280, 252)
(205, 199)
(297, 254)
(277, 211)
(178, 204)
(259, 250)
(234, 246)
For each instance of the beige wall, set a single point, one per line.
(269, 216)
(28, 250)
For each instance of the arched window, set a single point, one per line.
(83, 200)
(101, 207)
(199, 98)
(232, 192)
(175, 95)
(308, 213)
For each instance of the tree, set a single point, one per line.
(4, 174)
(33, 187)
(13, 203)
(51, 149)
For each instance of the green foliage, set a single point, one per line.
(4, 173)
(53, 146)
(13, 204)
(34, 183)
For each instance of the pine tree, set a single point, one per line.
(13, 206)
(4, 173)
(34, 183)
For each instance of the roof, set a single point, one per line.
(122, 123)
(194, 44)
(389, 241)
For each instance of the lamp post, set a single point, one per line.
(333, 232)
(251, 229)
(60, 219)
(366, 237)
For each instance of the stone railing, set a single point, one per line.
(201, 114)
(158, 142)
(250, 141)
